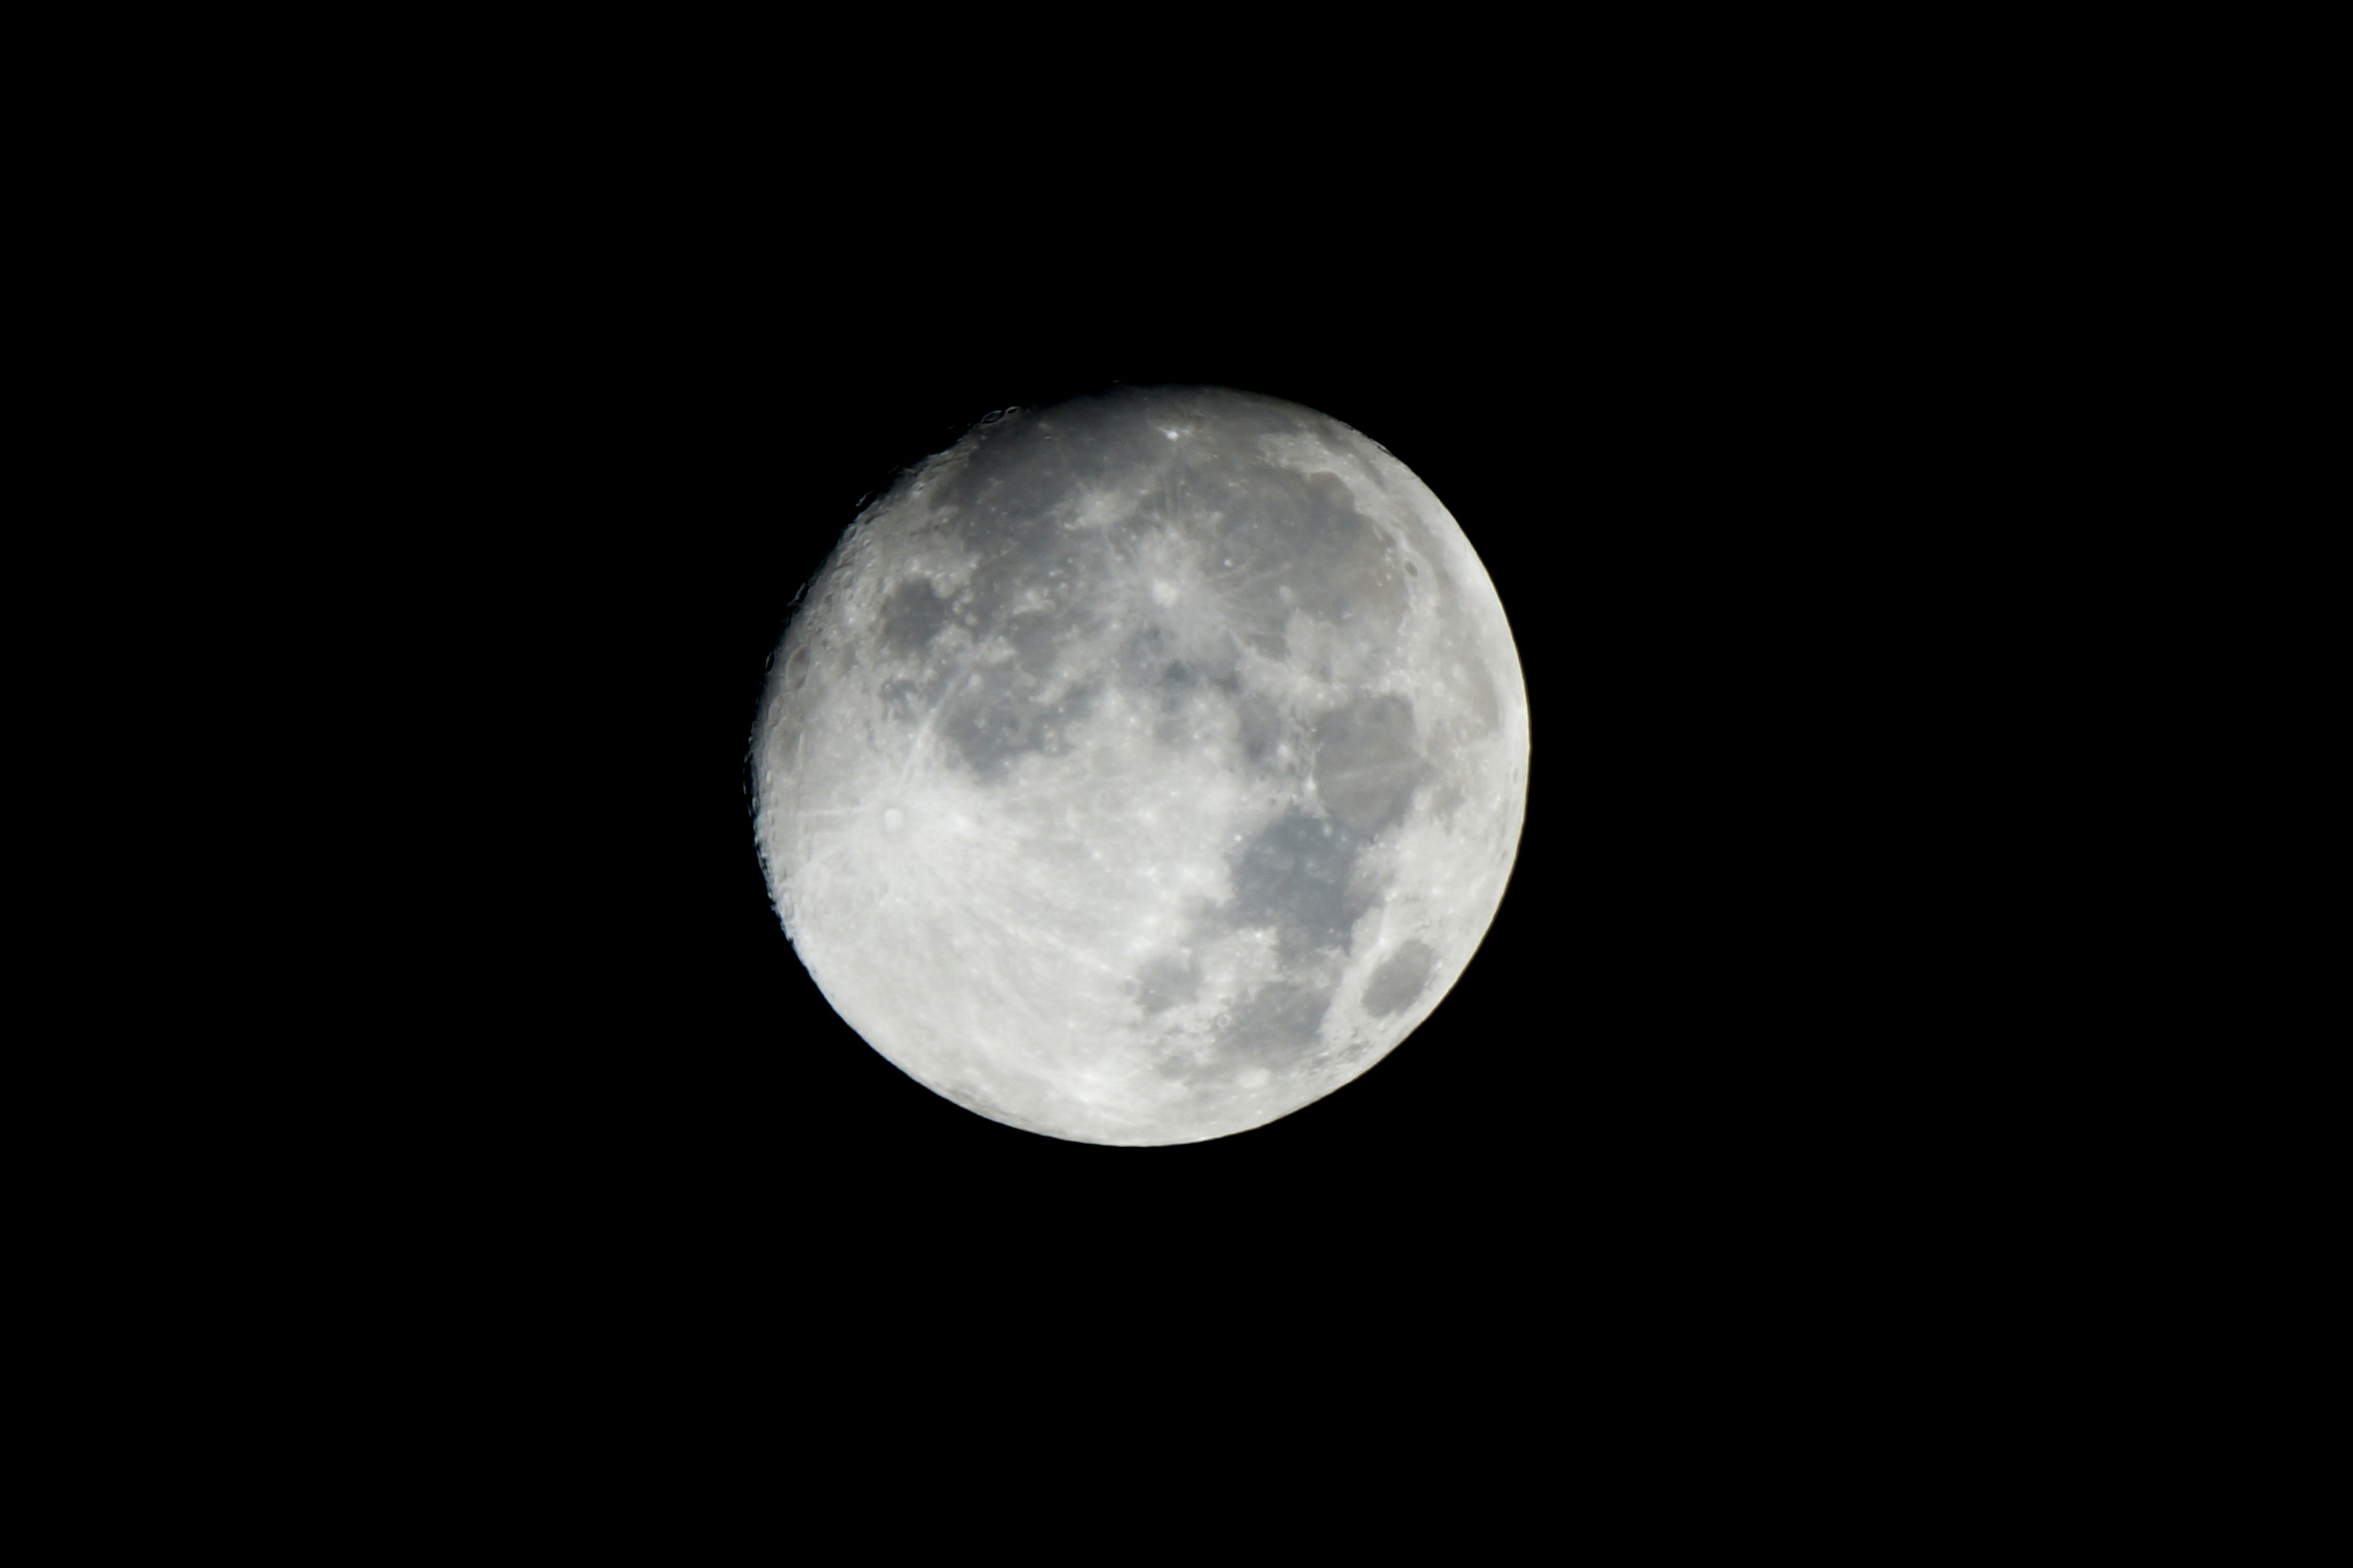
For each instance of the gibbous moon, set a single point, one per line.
(1142, 768)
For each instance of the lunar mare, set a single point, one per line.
(1143, 768)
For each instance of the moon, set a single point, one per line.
(1143, 768)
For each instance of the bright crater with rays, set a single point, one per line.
(1143, 768)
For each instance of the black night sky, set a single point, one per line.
(1687, 987)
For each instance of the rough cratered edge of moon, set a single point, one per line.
(1242, 595)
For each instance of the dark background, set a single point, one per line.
(1746, 441)
(1698, 1027)
(1755, 1073)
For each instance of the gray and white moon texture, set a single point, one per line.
(1145, 767)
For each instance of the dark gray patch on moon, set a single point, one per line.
(1399, 979)
(1275, 1026)
(1166, 983)
(1296, 541)
(1003, 716)
(912, 616)
(1293, 876)
(1366, 764)
(1262, 731)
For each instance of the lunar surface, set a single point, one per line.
(1143, 768)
